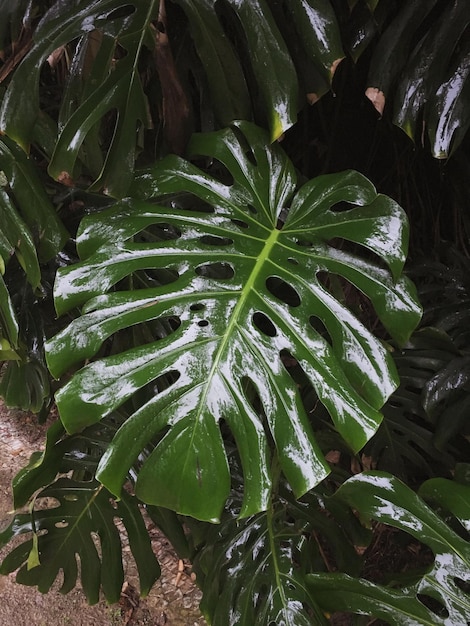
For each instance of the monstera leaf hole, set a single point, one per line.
(354, 299)
(155, 277)
(197, 307)
(252, 394)
(283, 291)
(153, 330)
(159, 232)
(317, 324)
(215, 270)
(462, 584)
(157, 386)
(433, 603)
(264, 324)
(165, 381)
(340, 207)
(240, 223)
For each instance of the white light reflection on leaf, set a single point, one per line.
(217, 343)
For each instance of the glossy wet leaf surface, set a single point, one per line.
(251, 577)
(449, 119)
(108, 107)
(420, 69)
(249, 572)
(228, 295)
(252, 571)
(385, 499)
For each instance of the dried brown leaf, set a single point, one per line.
(377, 98)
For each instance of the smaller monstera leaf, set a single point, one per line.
(252, 571)
(239, 282)
(81, 522)
(75, 515)
(443, 586)
(250, 576)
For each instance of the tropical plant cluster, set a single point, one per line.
(234, 254)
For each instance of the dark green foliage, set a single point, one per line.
(422, 63)
(85, 514)
(389, 501)
(234, 343)
(107, 101)
(407, 442)
(79, 519)
(30, 235)
(425, 418)
(254, 570)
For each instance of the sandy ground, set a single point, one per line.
(173, 601)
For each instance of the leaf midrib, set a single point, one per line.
(233, 320)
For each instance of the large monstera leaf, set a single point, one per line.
(237, 285)
(436, 596)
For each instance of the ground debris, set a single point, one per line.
(166, 604)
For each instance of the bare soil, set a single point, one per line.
(173, 601)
